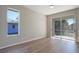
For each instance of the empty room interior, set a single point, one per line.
(39, 28)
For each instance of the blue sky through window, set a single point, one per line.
(12, 16)
(71, 21)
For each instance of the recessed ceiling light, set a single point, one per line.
(51, 6)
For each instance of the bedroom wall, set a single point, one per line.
(32, 26)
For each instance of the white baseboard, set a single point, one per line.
(22, 42)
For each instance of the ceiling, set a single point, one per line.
(46, 10)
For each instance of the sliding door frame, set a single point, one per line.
(61, 18)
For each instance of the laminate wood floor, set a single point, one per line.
(45, 45)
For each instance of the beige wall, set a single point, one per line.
(50, 24)
(32, 25)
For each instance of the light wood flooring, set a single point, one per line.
(45, 45)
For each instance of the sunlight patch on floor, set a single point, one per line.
(66, 38)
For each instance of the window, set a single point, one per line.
(13, 20)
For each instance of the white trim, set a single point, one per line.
(22, 42)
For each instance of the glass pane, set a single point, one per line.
(64, 27)
(57, 27)
(12, 16)
(12, 28)
(68, 26)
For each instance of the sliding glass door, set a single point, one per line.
(65, 27)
